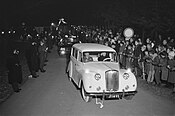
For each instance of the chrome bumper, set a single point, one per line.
(107, 94)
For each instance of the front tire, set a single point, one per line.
(85, 97)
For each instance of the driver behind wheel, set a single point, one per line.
(102, 56)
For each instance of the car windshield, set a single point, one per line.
(99, 56)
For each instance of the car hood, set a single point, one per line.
(101, 66)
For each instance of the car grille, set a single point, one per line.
(112, 80)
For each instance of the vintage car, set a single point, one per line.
(98, 74)
(64, 49)
(65, 44)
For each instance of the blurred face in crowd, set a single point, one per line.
(121, 44)
(106, 43)
(164, 42)
(112, 36)
(136, 43)
(118, 41)
(146, 53)
(127, 42)
(41, 43)
(143, 48)
(159, 48)
(172, 40)
(147, 40)
(151, 54)
(149, 46)
(169, 38)
(168, 50)
(171, 55)
(163, 56)
(129, 47)
(139, 41)
(113, 46)
(131, 40)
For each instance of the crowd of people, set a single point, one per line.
(36, 47)
(153, 61)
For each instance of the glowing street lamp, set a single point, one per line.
(2, 32)
(52, 24)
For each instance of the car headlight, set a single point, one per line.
(125, 76)
(62, 52)
(97, 76)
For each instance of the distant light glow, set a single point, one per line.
(63, 52)
(128, 70)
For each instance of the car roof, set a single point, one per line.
(92, 47)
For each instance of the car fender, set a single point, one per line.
(80, 83)
(84, 80)
(69, 69)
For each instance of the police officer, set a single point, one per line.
(42, 50)
(32, 58)
(15, 71)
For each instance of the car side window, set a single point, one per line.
(76, 54)
(80, 57)
(72, 52)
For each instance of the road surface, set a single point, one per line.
(52, 94)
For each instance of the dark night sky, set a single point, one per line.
(42, 12)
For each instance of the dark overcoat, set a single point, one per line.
(171, 73)
(14, 68)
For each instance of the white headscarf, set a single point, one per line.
(171, 53)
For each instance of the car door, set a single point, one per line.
(78, 67)
(74, 63)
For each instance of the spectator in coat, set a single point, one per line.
(32, 59)
(15, 71)
(42, 50)
(129, 56)
(157, 67)
(151, 73)
(163, 64)
(137, 55)
(171, 69)
(121, 56)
